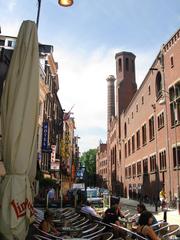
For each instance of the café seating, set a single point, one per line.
(40, 237)
(102, 236)
(128, 233)
(98, 230)
(172, 230)
(45, 234)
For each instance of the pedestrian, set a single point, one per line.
(162, 197)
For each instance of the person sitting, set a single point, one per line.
(47, 224)
(140, 209)
(144, 228)
(89, 209)
(112, 214)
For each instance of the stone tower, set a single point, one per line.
(111, 98)
(126, 82)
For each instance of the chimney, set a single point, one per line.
(111, 98)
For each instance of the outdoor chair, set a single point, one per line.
(78, 221)
(128, 233)
(45, 234)
(98, 230)
(89, 227)
(39, 237)
(171, 231)
(162, 229)
(102, 236)
(159, 224)
(79, 225)
(67, 213)
(75, 217)
(71, 216)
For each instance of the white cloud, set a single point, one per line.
(8, 5)
(11, 4)
(83, 83)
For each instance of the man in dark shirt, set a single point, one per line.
(112, 214)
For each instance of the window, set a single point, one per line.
(120, 64)
(145, 166)
(2, 42)
(125, 150)
(129, 171)
(138, 139)
(151, 128)
(162, 157)
(149, 90)
(144, 138)
(119, 156)
(172, 62)
(127, 64)
(174, 93)
(126, 172)
(132, 115)
(177, 89)
(158, 85)
(142, 100)
(10, 43)
(136, 107)
(134, 170)
(139, 168)
(125, 130)
(133, 144)
(153, 163)
(128, 121)
(161, 120)
(129, 147)
(133, 67)
(176, 157)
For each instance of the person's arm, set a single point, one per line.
(54, 230)
(150, 233)
(44, 226)
(120, 214)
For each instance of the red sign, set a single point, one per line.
(20, 208)
(53, 153)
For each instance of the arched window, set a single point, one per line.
(125, 130)
(120, 64)
(158, 85)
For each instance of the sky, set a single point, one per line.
(86, 37)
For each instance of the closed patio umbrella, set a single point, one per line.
(19, 113)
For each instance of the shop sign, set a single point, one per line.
(45, 136)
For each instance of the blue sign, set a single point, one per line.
(45, 136)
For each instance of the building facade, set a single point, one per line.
(143, 138)
(50, 110)
(102, 165)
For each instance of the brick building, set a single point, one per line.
(143, 138)
(102, 165)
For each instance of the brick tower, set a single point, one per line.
(111, 98)
(126, 83)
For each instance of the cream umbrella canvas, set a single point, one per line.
(19, 113)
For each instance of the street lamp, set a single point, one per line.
(63, 3)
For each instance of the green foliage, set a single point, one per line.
(88, 159)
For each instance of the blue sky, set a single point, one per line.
(85, 39)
